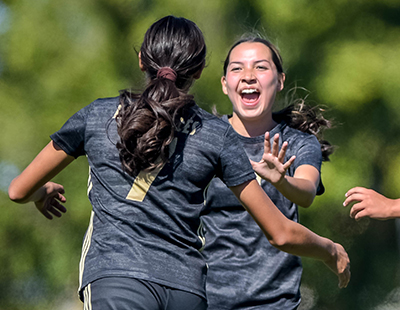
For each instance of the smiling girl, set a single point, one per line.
(245, 271)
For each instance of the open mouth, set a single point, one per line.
(250, 95)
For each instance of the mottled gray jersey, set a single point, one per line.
(148, 227)
(245, 271)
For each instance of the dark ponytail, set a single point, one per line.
(297, 114)
(146, 121)
(306, 118)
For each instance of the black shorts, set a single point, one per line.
(119, 293)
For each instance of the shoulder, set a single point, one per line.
(304, 146)
(211, 121)
(206, 116)
(99, 109)
(110, 103)
(292, 135)
(101, 104)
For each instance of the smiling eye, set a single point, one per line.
(235, 69)
(261, 68)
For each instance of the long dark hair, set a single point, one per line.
(298, 113)
(146, 121)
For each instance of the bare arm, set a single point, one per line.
(33, 183)
(369, 203)
(290, 236)
(301, 188)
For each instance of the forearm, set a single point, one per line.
(17, 196)
(394, 210)
(281, 232)
(300, 191)
(47, 164)
(303, 242)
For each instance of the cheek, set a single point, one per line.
(270, 86)
(230, 88)
(233, 99)
(231, 80)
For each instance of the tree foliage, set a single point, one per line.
(58, 56)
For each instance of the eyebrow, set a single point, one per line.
(241, 63)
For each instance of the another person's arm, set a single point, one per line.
(289, 236)
(33, 183)
(369, 203)
(301, 188)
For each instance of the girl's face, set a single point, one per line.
(252, 81)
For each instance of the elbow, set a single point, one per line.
(281, 241)
(286, 238)
(16, 195)
(279, 244)
(308, 199)
(307, 202)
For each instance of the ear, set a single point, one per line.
(223, 82)
(281, 81)
(140, 62)
(197, 75)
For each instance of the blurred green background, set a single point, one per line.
(57, 56)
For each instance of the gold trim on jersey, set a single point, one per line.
(144, 179)
(258, 178)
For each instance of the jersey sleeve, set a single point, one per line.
(71, 137)
(309, 153)
(235, 167)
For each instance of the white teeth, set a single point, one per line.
(249, 91)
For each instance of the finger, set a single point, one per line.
(356, 210)
(282, 152)
(61, 189)
(55, 212)
(344, 279)
(353, 198)
(355, 190)
(360, 214)
(59, 207)
(275, 145)
(47, 214)
(267, 143)
(61, 197)
(289, 162)
(347, 277)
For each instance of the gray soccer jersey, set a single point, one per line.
(147, 227)
(245, 271)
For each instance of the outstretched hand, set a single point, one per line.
(272, 167)
(369, 203)
(51, 197)
(340, 265)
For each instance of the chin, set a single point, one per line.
(250, 116)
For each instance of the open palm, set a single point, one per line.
(272, 167)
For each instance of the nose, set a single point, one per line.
(248, 76)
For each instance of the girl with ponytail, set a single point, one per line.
(151, 156)
(147, 121)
